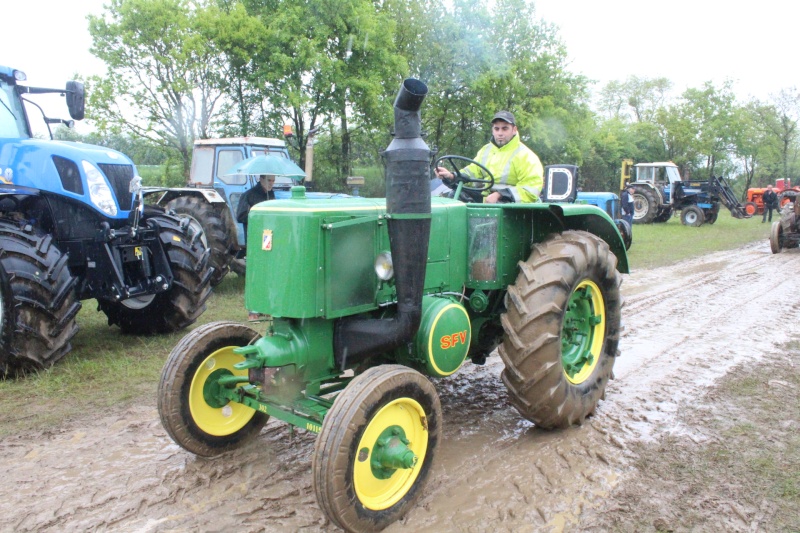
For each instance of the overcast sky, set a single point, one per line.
(687, 41)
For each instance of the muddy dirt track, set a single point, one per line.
(685, 327)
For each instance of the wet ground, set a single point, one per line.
(686, 326)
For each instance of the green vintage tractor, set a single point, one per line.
(370, 298)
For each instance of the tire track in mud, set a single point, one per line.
(686, 325)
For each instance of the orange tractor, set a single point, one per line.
(786, 193)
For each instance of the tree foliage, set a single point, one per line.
(178, 70)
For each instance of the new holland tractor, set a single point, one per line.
(372, 299)
(73, 226)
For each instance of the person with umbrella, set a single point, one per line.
(260, 192)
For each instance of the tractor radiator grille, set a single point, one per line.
(119, 176)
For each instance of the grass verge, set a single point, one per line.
(657, 245)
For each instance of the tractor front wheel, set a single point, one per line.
(183, 303)
(776, 238)
(692, 216)
(376, 448)
(562, 329)
(750, 208)
(191, 409)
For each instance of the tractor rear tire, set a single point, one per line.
(183, 303)
(381, 404)
(645, 205)
(218, 231)
(692, 216)
(562, 329)
(750, 208)
(203, 429)
(38, 303)
(776, 237)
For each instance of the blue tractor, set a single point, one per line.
(659, 192)
(211, 195)
(74, 226)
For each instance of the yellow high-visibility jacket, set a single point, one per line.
(516, 170)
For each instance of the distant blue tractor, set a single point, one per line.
(212, 195)
(659, 192)
(73, 226)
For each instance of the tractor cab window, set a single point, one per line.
(645, 174)
(12, 116)
(202, 165)
(226, 159)
(672, 174)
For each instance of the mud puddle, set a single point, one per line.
(686, 326)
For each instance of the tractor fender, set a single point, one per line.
(167, 194)
(592, 219)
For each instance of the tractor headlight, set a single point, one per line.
(383, 266)
(99, 191)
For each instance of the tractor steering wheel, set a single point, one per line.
(485, 184)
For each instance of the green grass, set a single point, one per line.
(107, 368)
(657, 245)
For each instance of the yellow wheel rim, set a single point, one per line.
(378, 494)
(588, 343)
(217, 421)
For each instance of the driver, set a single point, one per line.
(516, 169)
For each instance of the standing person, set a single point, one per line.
(626, 204)
(770, 200)
(517, 171)
(260, 192)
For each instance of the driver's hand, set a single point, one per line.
(492, 198)
(444, 174)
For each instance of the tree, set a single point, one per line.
(698, 129)
(781, 122)
(637, 99)
(162, 80)
(751, 139)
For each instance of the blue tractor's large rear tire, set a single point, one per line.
(562, 329)
(38, 303)
(645, 204)
(218, 230)
(184, 302)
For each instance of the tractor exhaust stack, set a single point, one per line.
(408, 208)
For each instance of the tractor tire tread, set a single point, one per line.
(37, 293)
(176, 378)
(531, 349)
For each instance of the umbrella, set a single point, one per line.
(267, 164)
